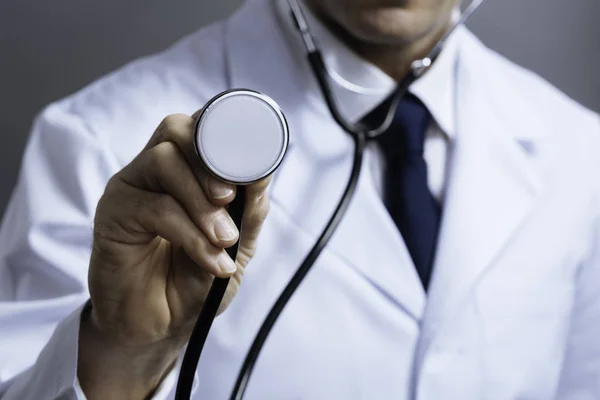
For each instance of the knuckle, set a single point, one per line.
(245, 255)
(164, 207)
(173, 121)
(155, 156)
(174, 125)
(136, 206)
(164, 150)
(161, 157)
(102, 205)
(112, 186)
(114, 210)
(113, 193)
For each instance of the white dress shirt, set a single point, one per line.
(359, 87)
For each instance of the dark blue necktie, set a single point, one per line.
(406, 191)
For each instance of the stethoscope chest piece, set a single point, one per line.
(241, 136)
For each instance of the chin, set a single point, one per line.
(393, 26)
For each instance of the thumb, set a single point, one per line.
(197, 114)
(256, 209)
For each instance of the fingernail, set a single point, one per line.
(219, 190)
(224, 228)
(226, 264)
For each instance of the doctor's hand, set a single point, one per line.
(161, 228)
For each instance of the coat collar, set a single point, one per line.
(360, 86)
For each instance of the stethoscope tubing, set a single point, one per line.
(209, 311)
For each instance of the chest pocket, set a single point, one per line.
(515, 301)
(523, 330)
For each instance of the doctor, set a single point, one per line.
(493, 293)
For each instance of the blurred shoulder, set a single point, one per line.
(529, 105)
(124, 107)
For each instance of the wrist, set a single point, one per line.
(108, 368)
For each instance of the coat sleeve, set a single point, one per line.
(45, 245)
(580, 377)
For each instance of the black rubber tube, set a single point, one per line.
(209, 311)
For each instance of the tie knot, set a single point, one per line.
(411, 120)
(406, 134)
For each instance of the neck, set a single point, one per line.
(394, 60)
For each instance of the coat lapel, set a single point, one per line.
(313, 175)
(491, 189)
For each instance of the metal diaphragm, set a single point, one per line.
(241, 136)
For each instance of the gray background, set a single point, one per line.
(49, 49)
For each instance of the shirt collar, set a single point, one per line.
(360, 86)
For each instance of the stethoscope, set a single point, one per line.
(241, 136)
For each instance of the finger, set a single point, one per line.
(179, 129)
(259, 188)
(178, 123)
(256, 209)
(170, 221)
(196, 115)
(163, 215)
(163, 169)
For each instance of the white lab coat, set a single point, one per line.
(513, 311)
